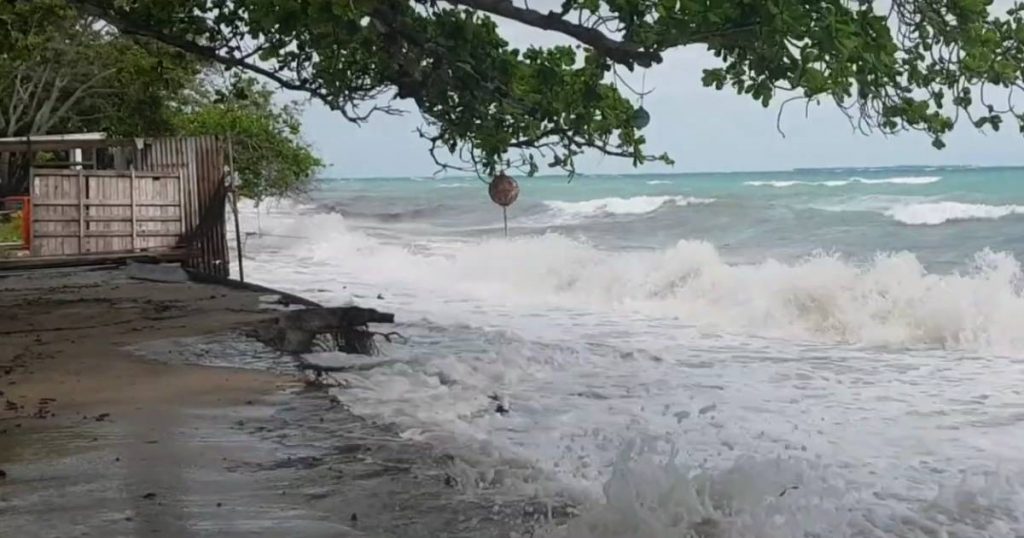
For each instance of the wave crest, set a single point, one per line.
(892, 301)
(900, 180)
(934, 213)
(636, 205)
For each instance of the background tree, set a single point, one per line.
(891, 66)
(270, 157)
(63, 71)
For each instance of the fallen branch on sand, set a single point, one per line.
(346, 329)
(296, 331)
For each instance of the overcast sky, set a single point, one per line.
(701, 128)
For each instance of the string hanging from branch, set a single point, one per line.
(641, 118)
(503, 191)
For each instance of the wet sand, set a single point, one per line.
(113, 426)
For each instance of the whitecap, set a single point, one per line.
(935, 213)
(900, 180)
(636, 205)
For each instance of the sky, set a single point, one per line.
(702, 129)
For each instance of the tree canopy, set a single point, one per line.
(891, 66)
(62, 70)
(268, 153)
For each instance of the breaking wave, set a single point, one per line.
(659, 182)
(752, 498)
(934, 213)
(636, 205)
(901, 180)
(892, 301)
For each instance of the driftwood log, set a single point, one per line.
(296, 331)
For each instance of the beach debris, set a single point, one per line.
(502, 406)
(355, 517)
(149, 496)
(3, 474)
(347, 326)
(152, 272)
(101, 417)
(707, 409)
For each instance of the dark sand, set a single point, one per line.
(98, 440)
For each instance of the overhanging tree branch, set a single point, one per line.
(621, 52)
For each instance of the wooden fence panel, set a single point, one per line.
(201, 164)
(105, 211)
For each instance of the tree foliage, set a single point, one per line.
(270, 157)
(65, 71)
(61, 72)
(891, 66)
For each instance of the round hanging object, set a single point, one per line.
(503, 190)
(641, 118)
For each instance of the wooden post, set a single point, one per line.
(31, 219)
(181, 203)
(234, 208)
(131, 186)
(81, 213)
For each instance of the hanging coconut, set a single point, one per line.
(641, 118)
(503, 190)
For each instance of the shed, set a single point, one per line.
(161, 198)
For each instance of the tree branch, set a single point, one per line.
(620, 52)
(74, 97)
(210, 53)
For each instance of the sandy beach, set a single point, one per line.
(113, 426)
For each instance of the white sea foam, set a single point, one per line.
(934, 213)
(659, 182)
(452, 185)
(636, 205)
(752, 498)
(594, 348)
(901, 180)
(892, 301)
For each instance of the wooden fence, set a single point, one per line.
(200, 162)
(103, 211)
(165, 199)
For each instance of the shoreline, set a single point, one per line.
(133, 411)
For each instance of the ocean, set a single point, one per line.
(813, 353)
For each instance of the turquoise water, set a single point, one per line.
(944, 215)
(788, 354)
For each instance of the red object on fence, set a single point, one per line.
(24, 204)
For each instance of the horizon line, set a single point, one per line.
(921, 167)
